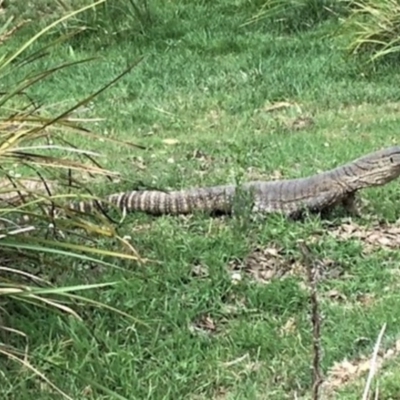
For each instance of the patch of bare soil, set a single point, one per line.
(263, 265)
(378, 235)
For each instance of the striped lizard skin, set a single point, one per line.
(317, 193)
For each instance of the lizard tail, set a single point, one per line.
(216, 199)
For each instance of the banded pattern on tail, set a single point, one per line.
(216, 199)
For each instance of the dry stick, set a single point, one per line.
(315, 319)
(377, 392)
(7, 35)
(372, 369)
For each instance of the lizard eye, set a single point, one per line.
(391, 160)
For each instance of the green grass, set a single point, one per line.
(208, 88)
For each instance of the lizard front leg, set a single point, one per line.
(351, 204)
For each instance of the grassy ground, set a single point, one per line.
(200, 102)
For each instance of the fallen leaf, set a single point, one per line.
(301, 123)
(264, 264)
(139, 163)
(336, 295)
(236, 361)
(170, 141)
(289, 327)
(204, 324)
(204, 159)
(199, 154)
(255, 174)
(261, 264)
(346, 371)
(141, 227)
(236, 278)
(366, 299)
(214, 117)
(280, 105)
(200, 271)
(376, 236)
(87, 391)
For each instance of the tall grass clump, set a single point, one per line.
(373, 29)
(40, 166)
(113, 19)
(291, 16)
(109, 21)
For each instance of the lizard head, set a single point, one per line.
(380, 167)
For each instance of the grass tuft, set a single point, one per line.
(291, 16)
(373, 29)
(34, 147)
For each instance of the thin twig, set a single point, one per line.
(7, 35)
(18, 231)
(372, 369)
(315, 319)
(377, 392)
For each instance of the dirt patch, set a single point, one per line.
(263, 265)
(347, 371)
(384, 236)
